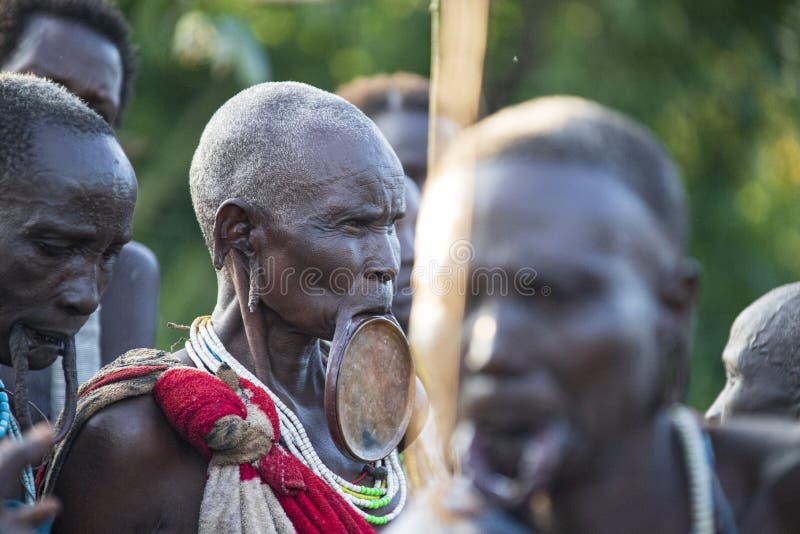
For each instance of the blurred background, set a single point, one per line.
(717, 80)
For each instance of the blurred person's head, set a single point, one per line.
(297, 194)
(762, 359)
(398, 103)
(576, 346)
(83, 45)
(406, 227)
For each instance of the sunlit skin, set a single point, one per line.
(344, 220)
(406, 227)
(71, 54)
(760, 362)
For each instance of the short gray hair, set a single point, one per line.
(256, 146)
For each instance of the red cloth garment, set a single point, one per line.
(193, 401)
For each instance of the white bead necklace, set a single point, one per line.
(207, 352)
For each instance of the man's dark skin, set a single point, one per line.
(760, 358)
(406, 227)
(63, 225)
(128, 470)
(569, 367)
(93, 72)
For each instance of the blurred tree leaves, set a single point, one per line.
(716, 80)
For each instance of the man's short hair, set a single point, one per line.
(259, 145)
(565, 129)
(97, 15)
(387, 92)
(27, 102)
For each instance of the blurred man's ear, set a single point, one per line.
(678, 296)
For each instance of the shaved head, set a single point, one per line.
(271, 143)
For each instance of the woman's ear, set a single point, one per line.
(232, 226)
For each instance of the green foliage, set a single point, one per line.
(717, 81)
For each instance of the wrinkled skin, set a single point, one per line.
(344, 223)
(93, 71)
(63, 225)
(757, 361)
(406, 227)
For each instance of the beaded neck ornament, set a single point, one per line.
(208, 353)
(8, 425)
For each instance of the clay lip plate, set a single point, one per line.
(369, 388)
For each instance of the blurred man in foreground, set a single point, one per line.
(565, 423)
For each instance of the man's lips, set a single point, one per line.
(541, 455)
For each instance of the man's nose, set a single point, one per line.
(80, 295)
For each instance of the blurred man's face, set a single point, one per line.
(566, 355)
(71, 54)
